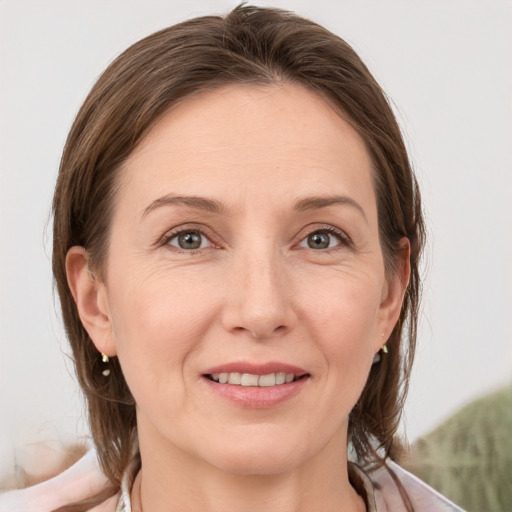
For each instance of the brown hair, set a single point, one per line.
(250, 45)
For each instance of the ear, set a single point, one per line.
(393, 293)
(91, 300)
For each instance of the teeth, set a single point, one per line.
(248, 379)
(267, 380)
(281, 378)
(235, 378)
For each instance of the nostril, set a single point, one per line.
(260, 332)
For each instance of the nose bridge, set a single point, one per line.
(259, 301)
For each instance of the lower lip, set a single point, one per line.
(256, 397)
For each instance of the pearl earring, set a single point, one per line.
(376, 357)
(106, 371)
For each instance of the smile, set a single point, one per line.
(249, 379)
(253, 385)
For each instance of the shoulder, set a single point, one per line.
(422, 497)
(78, 483)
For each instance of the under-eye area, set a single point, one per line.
(248, 379)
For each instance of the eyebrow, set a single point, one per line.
(317, 202)
(213, 206)
(199, 203)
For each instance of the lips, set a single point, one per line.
(256, 385)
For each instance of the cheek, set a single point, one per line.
(343, 306)
(342, 315)
(157, 324)
(157, 334)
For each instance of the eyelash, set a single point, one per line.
(169, 236)
(344, 239)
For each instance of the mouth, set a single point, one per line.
(250, 385)
(254, 379)
(253, 385)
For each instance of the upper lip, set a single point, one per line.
(257, 368)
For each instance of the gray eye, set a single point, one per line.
(189, 240)
(320, 240)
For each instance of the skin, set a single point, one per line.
(255, 291)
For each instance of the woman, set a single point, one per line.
(237, 233)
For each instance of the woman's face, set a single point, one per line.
(245, 243)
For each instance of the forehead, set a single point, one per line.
(281, 137)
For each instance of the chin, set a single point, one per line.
(268, 458)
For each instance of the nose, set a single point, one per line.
(258, 298)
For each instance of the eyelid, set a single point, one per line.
(187, 228)
(345, 239)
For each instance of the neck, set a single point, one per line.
(177, 482)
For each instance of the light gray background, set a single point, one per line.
(447, 67)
